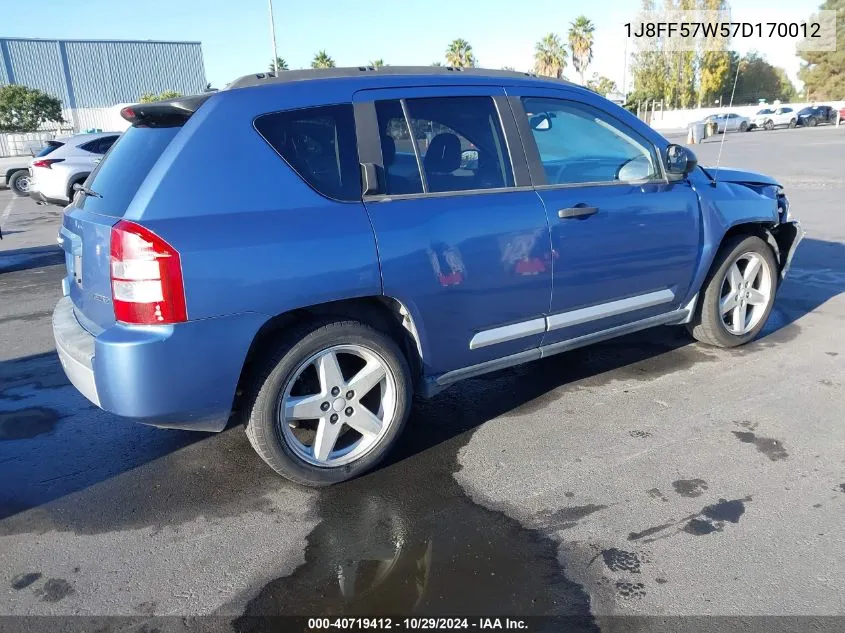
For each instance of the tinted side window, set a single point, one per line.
(580, 144)
(459, 139)
(105, 144)
(401, 170)
(461, 143)
(319, 144)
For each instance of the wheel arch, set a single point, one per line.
(385, 314)
(763, 230)
(12, 171)
(75, 179)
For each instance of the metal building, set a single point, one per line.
(93, 74)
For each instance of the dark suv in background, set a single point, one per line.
(812, 116)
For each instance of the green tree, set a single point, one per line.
(550, 57)
(601, 84)
(459, 54)
(758, 79)
(24, 109)
(714, 63)
(787, 88)
(149, 97)
(377, 63)
(436, 63)
(648, 68)
(581, 44)
(823, 72)
(322, 60)
(281, 63)
(510, 68)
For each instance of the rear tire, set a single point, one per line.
(304, 363)
(19, 183)
(709, 321)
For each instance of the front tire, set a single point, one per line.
(328, 402)
(738, 293)
(743, 127)
(813, 122)
(19, 183)
(769, 125)
(793, 123)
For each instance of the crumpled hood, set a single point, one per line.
(723, 174)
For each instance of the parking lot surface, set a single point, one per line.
(650, 475)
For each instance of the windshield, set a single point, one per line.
(51, 146)
(765, 111)
(125, 167)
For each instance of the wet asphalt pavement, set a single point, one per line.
(651, 475)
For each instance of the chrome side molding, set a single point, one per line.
(572, 317)
(611, 308)
(508, 333)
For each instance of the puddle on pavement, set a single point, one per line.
(407, 540)
(27, 423)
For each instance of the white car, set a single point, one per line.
(729, 122)
(64, 163)
(770, 118)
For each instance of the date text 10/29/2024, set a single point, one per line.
(417, 624)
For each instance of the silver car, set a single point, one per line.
(54, 172)
(729, 122)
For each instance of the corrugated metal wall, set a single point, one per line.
(101, 73)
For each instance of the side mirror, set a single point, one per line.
(679, 160)
(540, 122)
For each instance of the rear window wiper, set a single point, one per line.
(86, 190)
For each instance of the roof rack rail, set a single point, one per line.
(260, 79)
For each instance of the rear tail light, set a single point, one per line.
(47, 162)
(146, 277)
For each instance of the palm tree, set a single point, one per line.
(322, 60)
(281, 64)
(459, 54)
(550, 57)
(581, 42)
(377, 63)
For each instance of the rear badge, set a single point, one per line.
(101, 298)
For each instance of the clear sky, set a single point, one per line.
(236, 36)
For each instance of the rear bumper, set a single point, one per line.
(75, 347)
(179, 376)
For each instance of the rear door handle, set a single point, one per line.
(576, 212)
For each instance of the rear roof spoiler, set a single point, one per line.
(167, 113)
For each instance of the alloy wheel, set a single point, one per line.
(746, 293)
(338, 405)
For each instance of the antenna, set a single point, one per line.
(725, 133)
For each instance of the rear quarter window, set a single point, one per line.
(319, 145)
(119, 175)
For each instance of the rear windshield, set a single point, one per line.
(124, 167)
(51, 146)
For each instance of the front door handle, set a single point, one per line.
(576, 212)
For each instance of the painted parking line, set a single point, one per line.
(7, 210)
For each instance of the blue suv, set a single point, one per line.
(402, 229)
